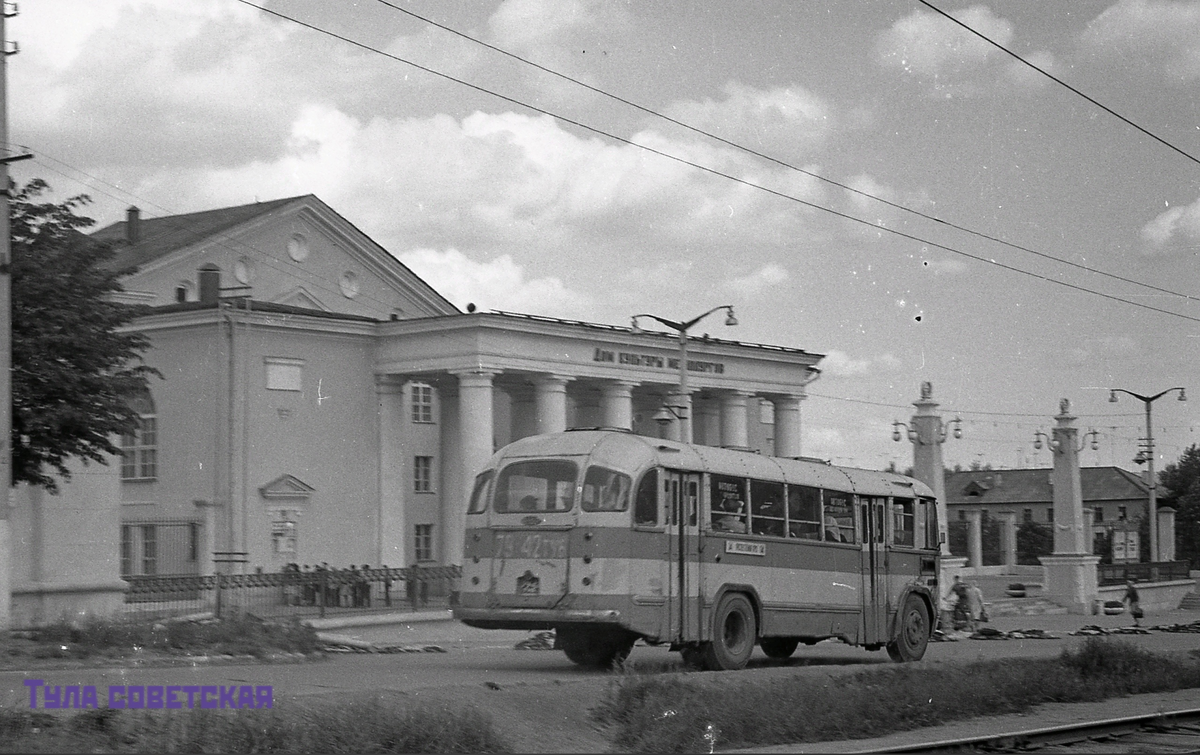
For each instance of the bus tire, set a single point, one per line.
(734, 634)
(593, 648)
(779, 647)
(912, 635)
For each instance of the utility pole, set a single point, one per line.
(5, 344)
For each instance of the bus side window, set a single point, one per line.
(903, 519)
(932, 536)
(481, 493)
(645, 507)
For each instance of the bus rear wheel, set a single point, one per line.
(734, 634)
(779, 647)
(913, 635)
(595, 648)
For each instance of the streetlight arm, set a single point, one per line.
(683, 327)
(1140, 397)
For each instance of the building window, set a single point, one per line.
(423, 543)
(1122, 513)
(139, 448)
(1099, 514)
(1027, 515)
(422, 403)
(422, 474)
(283, 532)
(284, 374)
(149, 549)
(126, 550)
(1050, 515)
(962, 515)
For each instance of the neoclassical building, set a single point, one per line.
(321, 403)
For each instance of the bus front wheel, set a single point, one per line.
(734, 634)
(779, 647)
(593, 648)
(913, 635)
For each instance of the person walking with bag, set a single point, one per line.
(1135, 606)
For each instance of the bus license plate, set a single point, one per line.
(532, 545)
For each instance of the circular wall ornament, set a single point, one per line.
(243, 270)
(349, 284)
(297, 247)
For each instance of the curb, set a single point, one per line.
(380, 619)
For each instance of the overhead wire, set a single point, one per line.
(716, 172)
(780, 162)
(1060, 82)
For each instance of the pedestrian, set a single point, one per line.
(1135, 606)
(975, 605)
(962, 613)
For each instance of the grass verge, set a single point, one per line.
(681, 712)
(355, 726)
(104, 638)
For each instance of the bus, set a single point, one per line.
(608, 537)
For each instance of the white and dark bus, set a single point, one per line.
(608, 537)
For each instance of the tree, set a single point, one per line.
(72, 371)
(1182, 482)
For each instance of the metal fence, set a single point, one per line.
(1151, 571)
(293, 591)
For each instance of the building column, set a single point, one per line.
(392, 535)
(975, 537)
(708, 422)
(550, 392)
(1070, 572)
(616, 403)
(787, 425)
(733, 419)
(475, 433)
(1008, 538)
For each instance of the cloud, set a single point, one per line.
(1165, 33)
(840, 364)
(498, 284)
(949, 60)
(1182, 223)
(756, 283)
(783, 120)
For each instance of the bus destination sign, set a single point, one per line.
(745, 549)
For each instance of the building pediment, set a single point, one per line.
(286, 487)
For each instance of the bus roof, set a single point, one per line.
(629, 451)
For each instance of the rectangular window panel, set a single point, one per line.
(903, 519)
(1099, 514)
(422, 403)
(139, 455)
(728, 499)
(284, 374)
(422, 474)
(423, 543)
(536, 486)
(766, 508)
(1027, 515)
(126, 549)
(804, 512)
(645, 508)
(149, 549)
(839, 517)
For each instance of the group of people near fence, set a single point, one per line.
(347, 588)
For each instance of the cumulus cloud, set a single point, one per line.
(758, 282)
(498, 284)
(1164, 32)
(950, 60)
(1173, 224)
(782, 120)
(840, 364)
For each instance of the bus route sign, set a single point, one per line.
(745, 549)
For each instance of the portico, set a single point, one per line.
(500, 377)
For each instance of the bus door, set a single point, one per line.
(874, 570)
(681, 492)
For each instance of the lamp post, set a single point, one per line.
(680, 411)
(1149, 452)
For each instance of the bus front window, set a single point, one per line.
(536, 486)
(605, 490)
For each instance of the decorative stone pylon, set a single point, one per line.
(1070, 572)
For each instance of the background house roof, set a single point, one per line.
(1017, 486)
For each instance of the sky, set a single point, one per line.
(863, 179)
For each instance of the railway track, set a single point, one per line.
(1168, 732)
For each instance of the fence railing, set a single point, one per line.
(1151, 571)
(293, 592)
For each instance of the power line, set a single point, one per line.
(1060, 82)
(714, 171)
(779, 162)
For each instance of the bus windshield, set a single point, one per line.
(543, 485)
